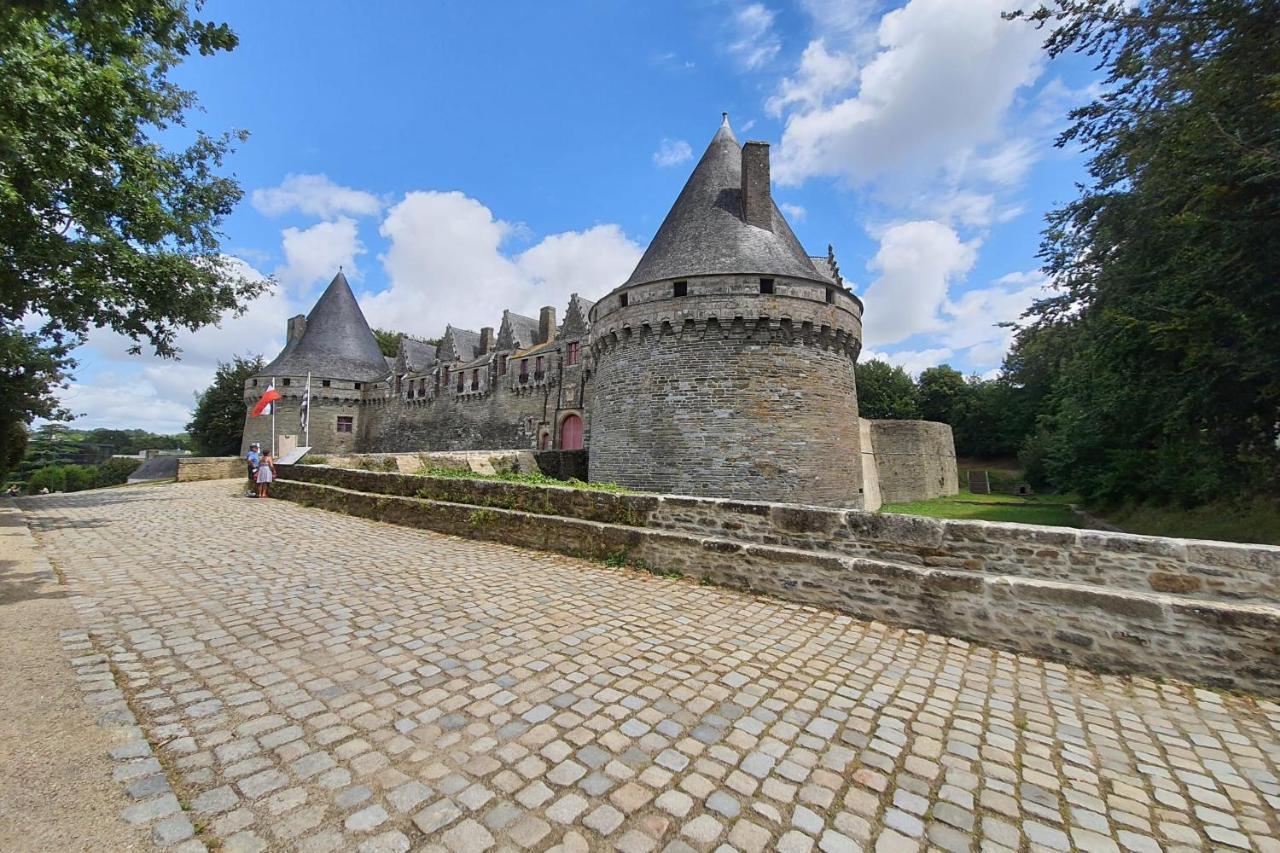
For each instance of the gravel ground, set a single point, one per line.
(56, 790)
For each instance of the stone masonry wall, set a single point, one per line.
(1215, 642)
(192, 468)
(915, 460)
(490, 421)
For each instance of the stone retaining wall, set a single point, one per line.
(1200, 570)
(1217, 643)
(191, 468)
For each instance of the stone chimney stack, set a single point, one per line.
(757, 197)
(547, 325)
(297, 325)
(486, 340)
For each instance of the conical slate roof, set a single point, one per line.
(336, 343)
(704, 234)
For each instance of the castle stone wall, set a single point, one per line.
(191, 468)
(915, 460)
(499, 420)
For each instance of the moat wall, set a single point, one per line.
(1202, 611)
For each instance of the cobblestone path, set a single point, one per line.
(318, 682)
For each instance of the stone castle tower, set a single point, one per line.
(725, 364)
(336, 347)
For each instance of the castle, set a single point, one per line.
(723, 366)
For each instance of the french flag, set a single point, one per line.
(266, 405)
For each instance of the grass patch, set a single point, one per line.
(525, 479)
(1257, 522)
(1051, 510)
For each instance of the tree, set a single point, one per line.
(218, 421)
(388, 342)
(100, 224)
(886, 392)
(13, 446)
(943, 394)
(1165, 265)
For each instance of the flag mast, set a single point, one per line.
(306, 424)
(273, 421)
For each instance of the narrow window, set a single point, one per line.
(831, 296)
(285, 381)
(622, 300)
(358, 386)
(460, 380)
(502, 365)
(324, 383)
(681, 288)
(475, 380)
(524, 370)
(571, 357)
(345, 423)
(766, 285)
(255, 383)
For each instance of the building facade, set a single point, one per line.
(723, 366)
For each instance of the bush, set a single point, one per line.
(113, 472)
(53, 478)
(80, 477)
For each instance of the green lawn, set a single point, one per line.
(1258, 522)
(1036, 509)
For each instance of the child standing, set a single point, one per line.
(266, 473)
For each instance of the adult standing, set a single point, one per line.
(266, 473)
(253, 458)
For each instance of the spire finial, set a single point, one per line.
(724, 119)
(339, 267)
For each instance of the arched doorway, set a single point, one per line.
(571, 433)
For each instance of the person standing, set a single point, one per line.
(266, 473)
(252, 458)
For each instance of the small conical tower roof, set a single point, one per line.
(336, 342)
(705, 233)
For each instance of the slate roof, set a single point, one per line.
(459, 344)
(419, 355)
(824, 267)
(704, 233)
(517, 331)
(337, 342)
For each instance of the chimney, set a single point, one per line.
(297, 325)
(486, 340)
(757, 198)
(547, 325)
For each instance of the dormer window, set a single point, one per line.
(571, 353)
(680, 288)
(502, 365)
(766, 285)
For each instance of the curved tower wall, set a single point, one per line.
(727, 391)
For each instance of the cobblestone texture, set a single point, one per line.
(320, 682)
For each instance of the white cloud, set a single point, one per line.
(314, 254)
(794, 212)
(912, 361)
(315, 195)
(446, 264)
(116, 389)
(941, 84)
(918, 262)
(754, 42)
(672, 152)
(821, 73)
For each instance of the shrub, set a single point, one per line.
(81, 477)
(52, 477)
(113, 472)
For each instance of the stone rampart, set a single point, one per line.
(191, 468)
(1169, 629)
(915, 460)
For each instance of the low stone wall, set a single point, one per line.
(191, 468)
(563, 464)
(475, 461)
(1218, 643)
(1201, 570)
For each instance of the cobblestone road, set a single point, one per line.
(319, 682)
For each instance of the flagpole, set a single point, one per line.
(273, 421)
(307, 431)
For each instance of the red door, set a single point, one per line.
(571, 433)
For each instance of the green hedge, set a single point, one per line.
(77, 478)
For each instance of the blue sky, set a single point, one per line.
(458, 159)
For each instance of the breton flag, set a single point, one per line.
(266, 406)
(304, 409)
